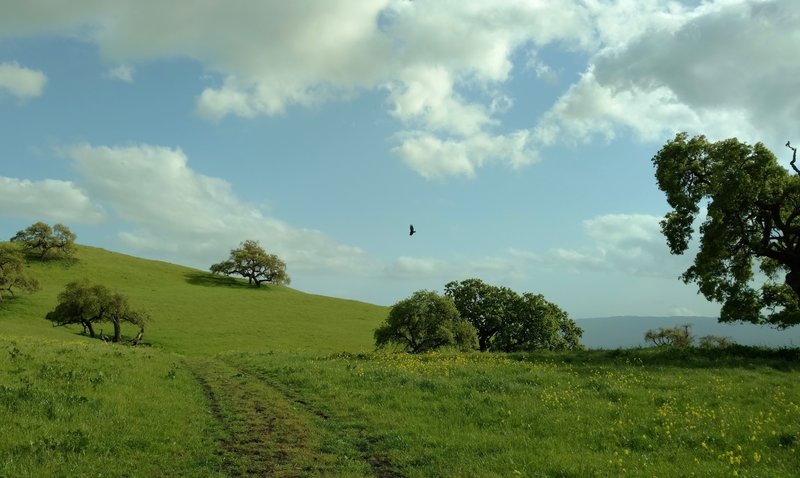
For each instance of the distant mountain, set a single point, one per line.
(628, 331)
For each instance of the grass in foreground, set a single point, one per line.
(92, 409)
(484, 415)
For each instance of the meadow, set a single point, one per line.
(235, 381)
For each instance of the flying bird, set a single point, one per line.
(411, 230)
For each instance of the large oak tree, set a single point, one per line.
(749, 247)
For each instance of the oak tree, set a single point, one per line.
(13, 273)
(423, 322)
(251, 261)
(751, 224)
(41, 240)
(87, 304)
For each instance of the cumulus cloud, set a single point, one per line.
(631, 243)
(49, 199)
(196, 218)
(654, 66)
(684, 69)
(20, 81)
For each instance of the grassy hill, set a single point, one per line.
(195, 312)
(236, 381)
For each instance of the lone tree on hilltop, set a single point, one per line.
(250, 260)
(752, 220)
(506, 321)
(40, 239)
(12, 271)
(86, 304)
(426, 321)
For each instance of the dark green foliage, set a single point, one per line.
(753, 220)
(86, 304)
(484, 306)
(426, 321)
(538, 324)
(250, 260)
(12, 271)
(506, 321)
(41, 240)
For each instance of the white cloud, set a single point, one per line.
(655, 67)
(631, 243)
(20, 81)
(122, 73)
(405, 267)
(196, 218)
(50, 199)
(674, 68)
(433, 157)
(429, 56)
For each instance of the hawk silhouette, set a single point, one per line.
(411, 230)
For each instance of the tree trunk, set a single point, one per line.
(117, 330)
(793, 281)
(89, 326)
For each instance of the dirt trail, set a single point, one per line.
(270, 434)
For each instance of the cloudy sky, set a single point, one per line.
(515, 135)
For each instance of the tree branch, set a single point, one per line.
(794, 156)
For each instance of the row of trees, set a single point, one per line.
(475, 315)
(80, 302)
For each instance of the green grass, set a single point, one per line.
(236, 381)
(195, 312)
(491, 415)
(92, 409)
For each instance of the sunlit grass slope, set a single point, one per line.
(72, 408)
(197, 313)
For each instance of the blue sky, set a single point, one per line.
(516, 136)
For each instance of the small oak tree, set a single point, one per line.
(12, 271)
(426, 321)
(40, 239)
(250, 260)
(86, 304)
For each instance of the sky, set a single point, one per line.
(516, 136)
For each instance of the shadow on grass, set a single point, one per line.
(52, 261)
(734, 356)
(208, 279)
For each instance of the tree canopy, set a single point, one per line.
(88, 304)
(251, 261)
(423, 322)
(750, 234)
(507, 321)
(12, 271)
(41, 240)
(485, 306)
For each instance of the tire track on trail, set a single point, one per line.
(268, 433)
